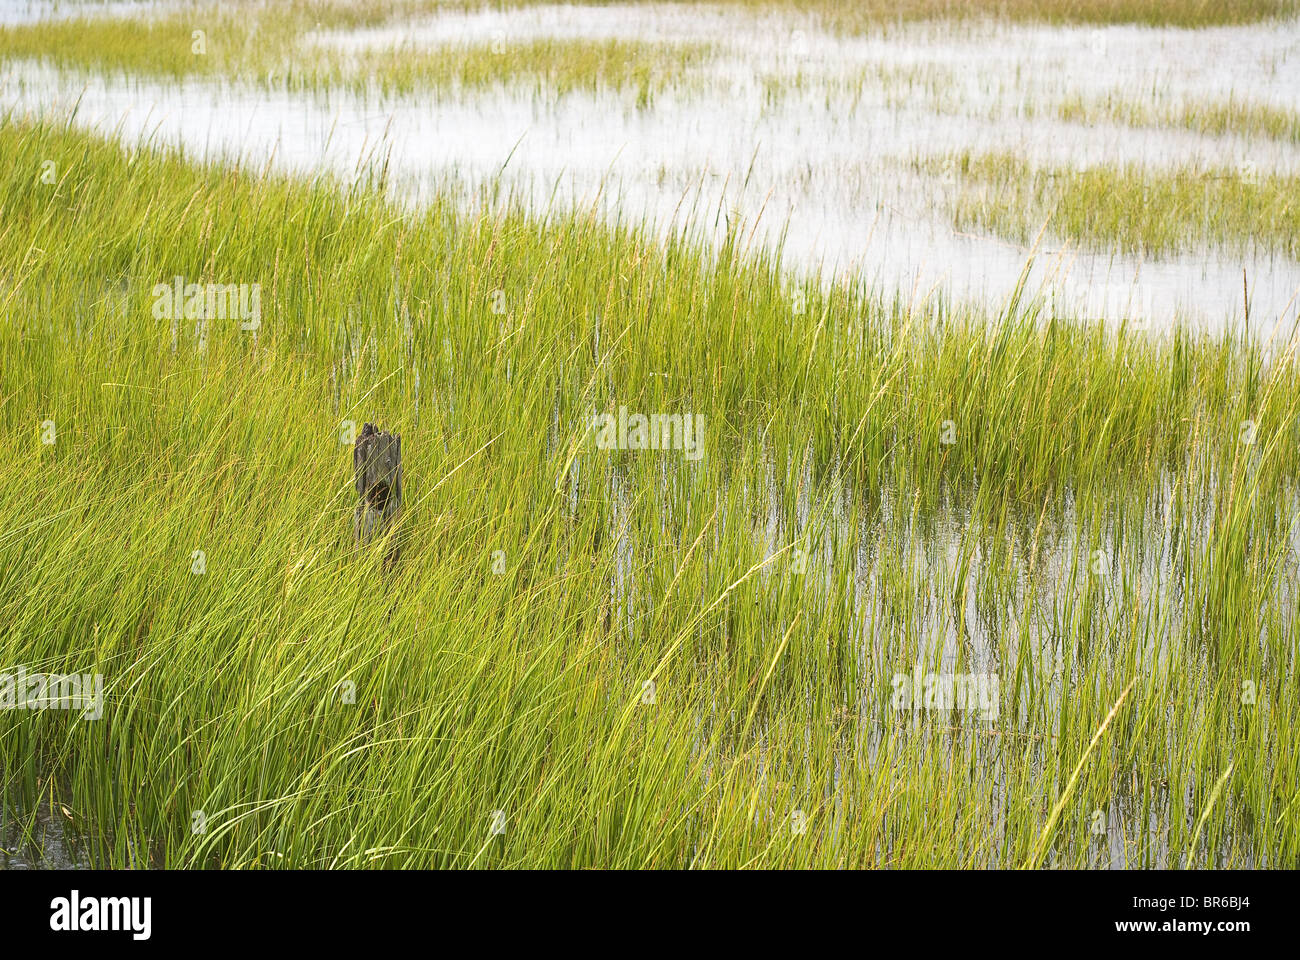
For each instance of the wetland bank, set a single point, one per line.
(928, 456)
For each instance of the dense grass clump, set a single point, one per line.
(616, 658)
(1128, 208)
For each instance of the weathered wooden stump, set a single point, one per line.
(377, 462)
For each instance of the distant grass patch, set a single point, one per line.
(1128, 208)
(267, 48)
(858, 15)
(1219, 118)
(553, 66)
(263, 41)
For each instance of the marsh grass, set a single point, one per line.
(865, 14)
(1130, 208)
(555, 67)
(269, 47)
(1217, 118)
(1187, 13)
(668, 663)
(264, 43)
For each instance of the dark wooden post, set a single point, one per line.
(377, 462)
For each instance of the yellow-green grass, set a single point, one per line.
(858, 14)
(1128, 208)
(638, 659)
(1216, 118)
(270, 47)
(869, 14)
(263, 42)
